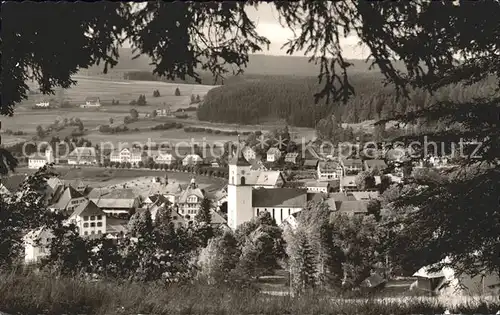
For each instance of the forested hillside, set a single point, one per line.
(257, 99)
(257, 64)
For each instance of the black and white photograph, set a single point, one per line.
(250, 157)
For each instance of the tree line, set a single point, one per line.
(255, 99)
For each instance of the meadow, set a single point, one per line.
(125, 91)
(99, 177)
(28, 293)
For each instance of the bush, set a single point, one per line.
(133, 102)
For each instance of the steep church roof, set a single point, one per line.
(238, 159)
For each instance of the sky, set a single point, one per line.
(266, 18)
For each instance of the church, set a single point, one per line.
(251, 192)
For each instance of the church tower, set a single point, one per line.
(239, 194)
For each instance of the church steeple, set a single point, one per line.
(238, 158)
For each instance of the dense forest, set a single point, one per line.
(254, 99)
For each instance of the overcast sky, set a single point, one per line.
(268, 25)
(266, 19)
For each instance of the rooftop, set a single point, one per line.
(279, 198)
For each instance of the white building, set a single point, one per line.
(83, 156)
(43, 104)
(329, 170)
(37, 245)
(89, 219)
(246, 202)
(127, 155)
(249, 153)
(273, 154)
(164, 158)
(190, 200)
(91, 102)
(317, 187)
(39, 160)
(192, 159)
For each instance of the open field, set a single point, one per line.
(100, 177)
(125, 91)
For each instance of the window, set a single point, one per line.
(92, 224)
(281, 214)
(85, 233)
(258, 211)
(85, 218)
(99, 217)
(273, 213)
(243, 180)
(92, 232)
(99, 224)
(289, 211)
(92, 218)
(99, 232)
(85, 225)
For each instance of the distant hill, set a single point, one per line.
(257, 65)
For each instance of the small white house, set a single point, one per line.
(192, 159)
(273, 154)
(164, 158)
(91, 102)
(39, 160)
(317, 187)
(37, 245)
(43, 104)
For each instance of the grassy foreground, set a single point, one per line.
(36, 294)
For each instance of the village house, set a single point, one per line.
(89, 219)
(317, 187)
(351, 166)
(65, 199)
(352, 207)
(43, 104)
(83, 156)
(329, 170)
(117, 201)
(365, 195)
(273, 154)
(175, 217)
(249, 153)
(291, 157)
(79, 185)
(116, 228)
(348, 183)
(257, 165)
(192, 159)
(37, 245)
(38, 160)
(371, 165)
(447, 282)
(127, 155)
(164, 158)
(91, 102)
(279, 202)
(190, 200)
